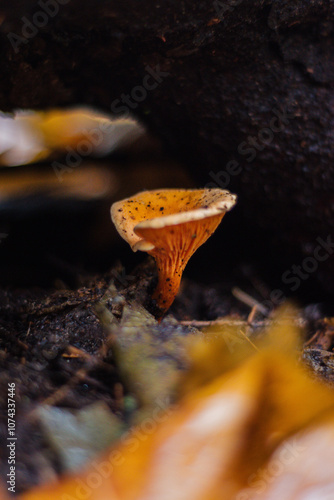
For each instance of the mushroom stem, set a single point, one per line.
(169, 279)
(172, 252)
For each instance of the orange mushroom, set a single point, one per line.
(170, 225)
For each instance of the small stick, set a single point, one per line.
(224, 322)
(227, 323)
(249, 340)
(94, 359)
(311, 339)
(60, 393)
(252, 314)
(75, 352)
(249, 300)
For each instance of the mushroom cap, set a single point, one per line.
(170, 225)
(148, 210)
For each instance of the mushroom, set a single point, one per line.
(170, 224)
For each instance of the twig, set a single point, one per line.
(80, 375)
(249, 300)
(311, 339)
(225, 322)
(241, 322)
(252, 315)
(60, 393)
(246, 337)
(75, 352)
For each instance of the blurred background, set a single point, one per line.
(60, 171)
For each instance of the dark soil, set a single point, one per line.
(53, 347)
